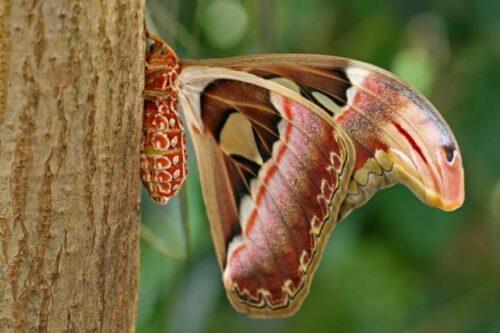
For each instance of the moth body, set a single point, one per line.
(164, 151)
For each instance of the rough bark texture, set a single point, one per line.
(71, 79)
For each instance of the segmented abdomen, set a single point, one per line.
(164, 147)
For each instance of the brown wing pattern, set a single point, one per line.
(399, 137)
(274, 172)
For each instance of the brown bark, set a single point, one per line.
(71, 79)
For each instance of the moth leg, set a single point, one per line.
(153, 37)
(156, 67)
(159, 47)
(151, 94)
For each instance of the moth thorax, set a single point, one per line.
(163, 154)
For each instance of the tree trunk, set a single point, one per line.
(71, 79)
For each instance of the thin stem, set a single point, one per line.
(148, 236)
(185, 219)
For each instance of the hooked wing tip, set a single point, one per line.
(450, 194)
(438, 180)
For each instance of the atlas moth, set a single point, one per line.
(287, 146)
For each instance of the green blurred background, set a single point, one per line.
(394, 264)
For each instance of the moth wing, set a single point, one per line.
(274, 172)
(398, 135)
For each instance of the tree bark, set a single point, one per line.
(71, 80)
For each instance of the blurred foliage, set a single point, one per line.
(395, 264)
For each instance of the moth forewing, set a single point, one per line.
(385, 118)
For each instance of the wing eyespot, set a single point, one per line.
(449, 151)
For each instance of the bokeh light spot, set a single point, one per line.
(413, 66)
(225, 23)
